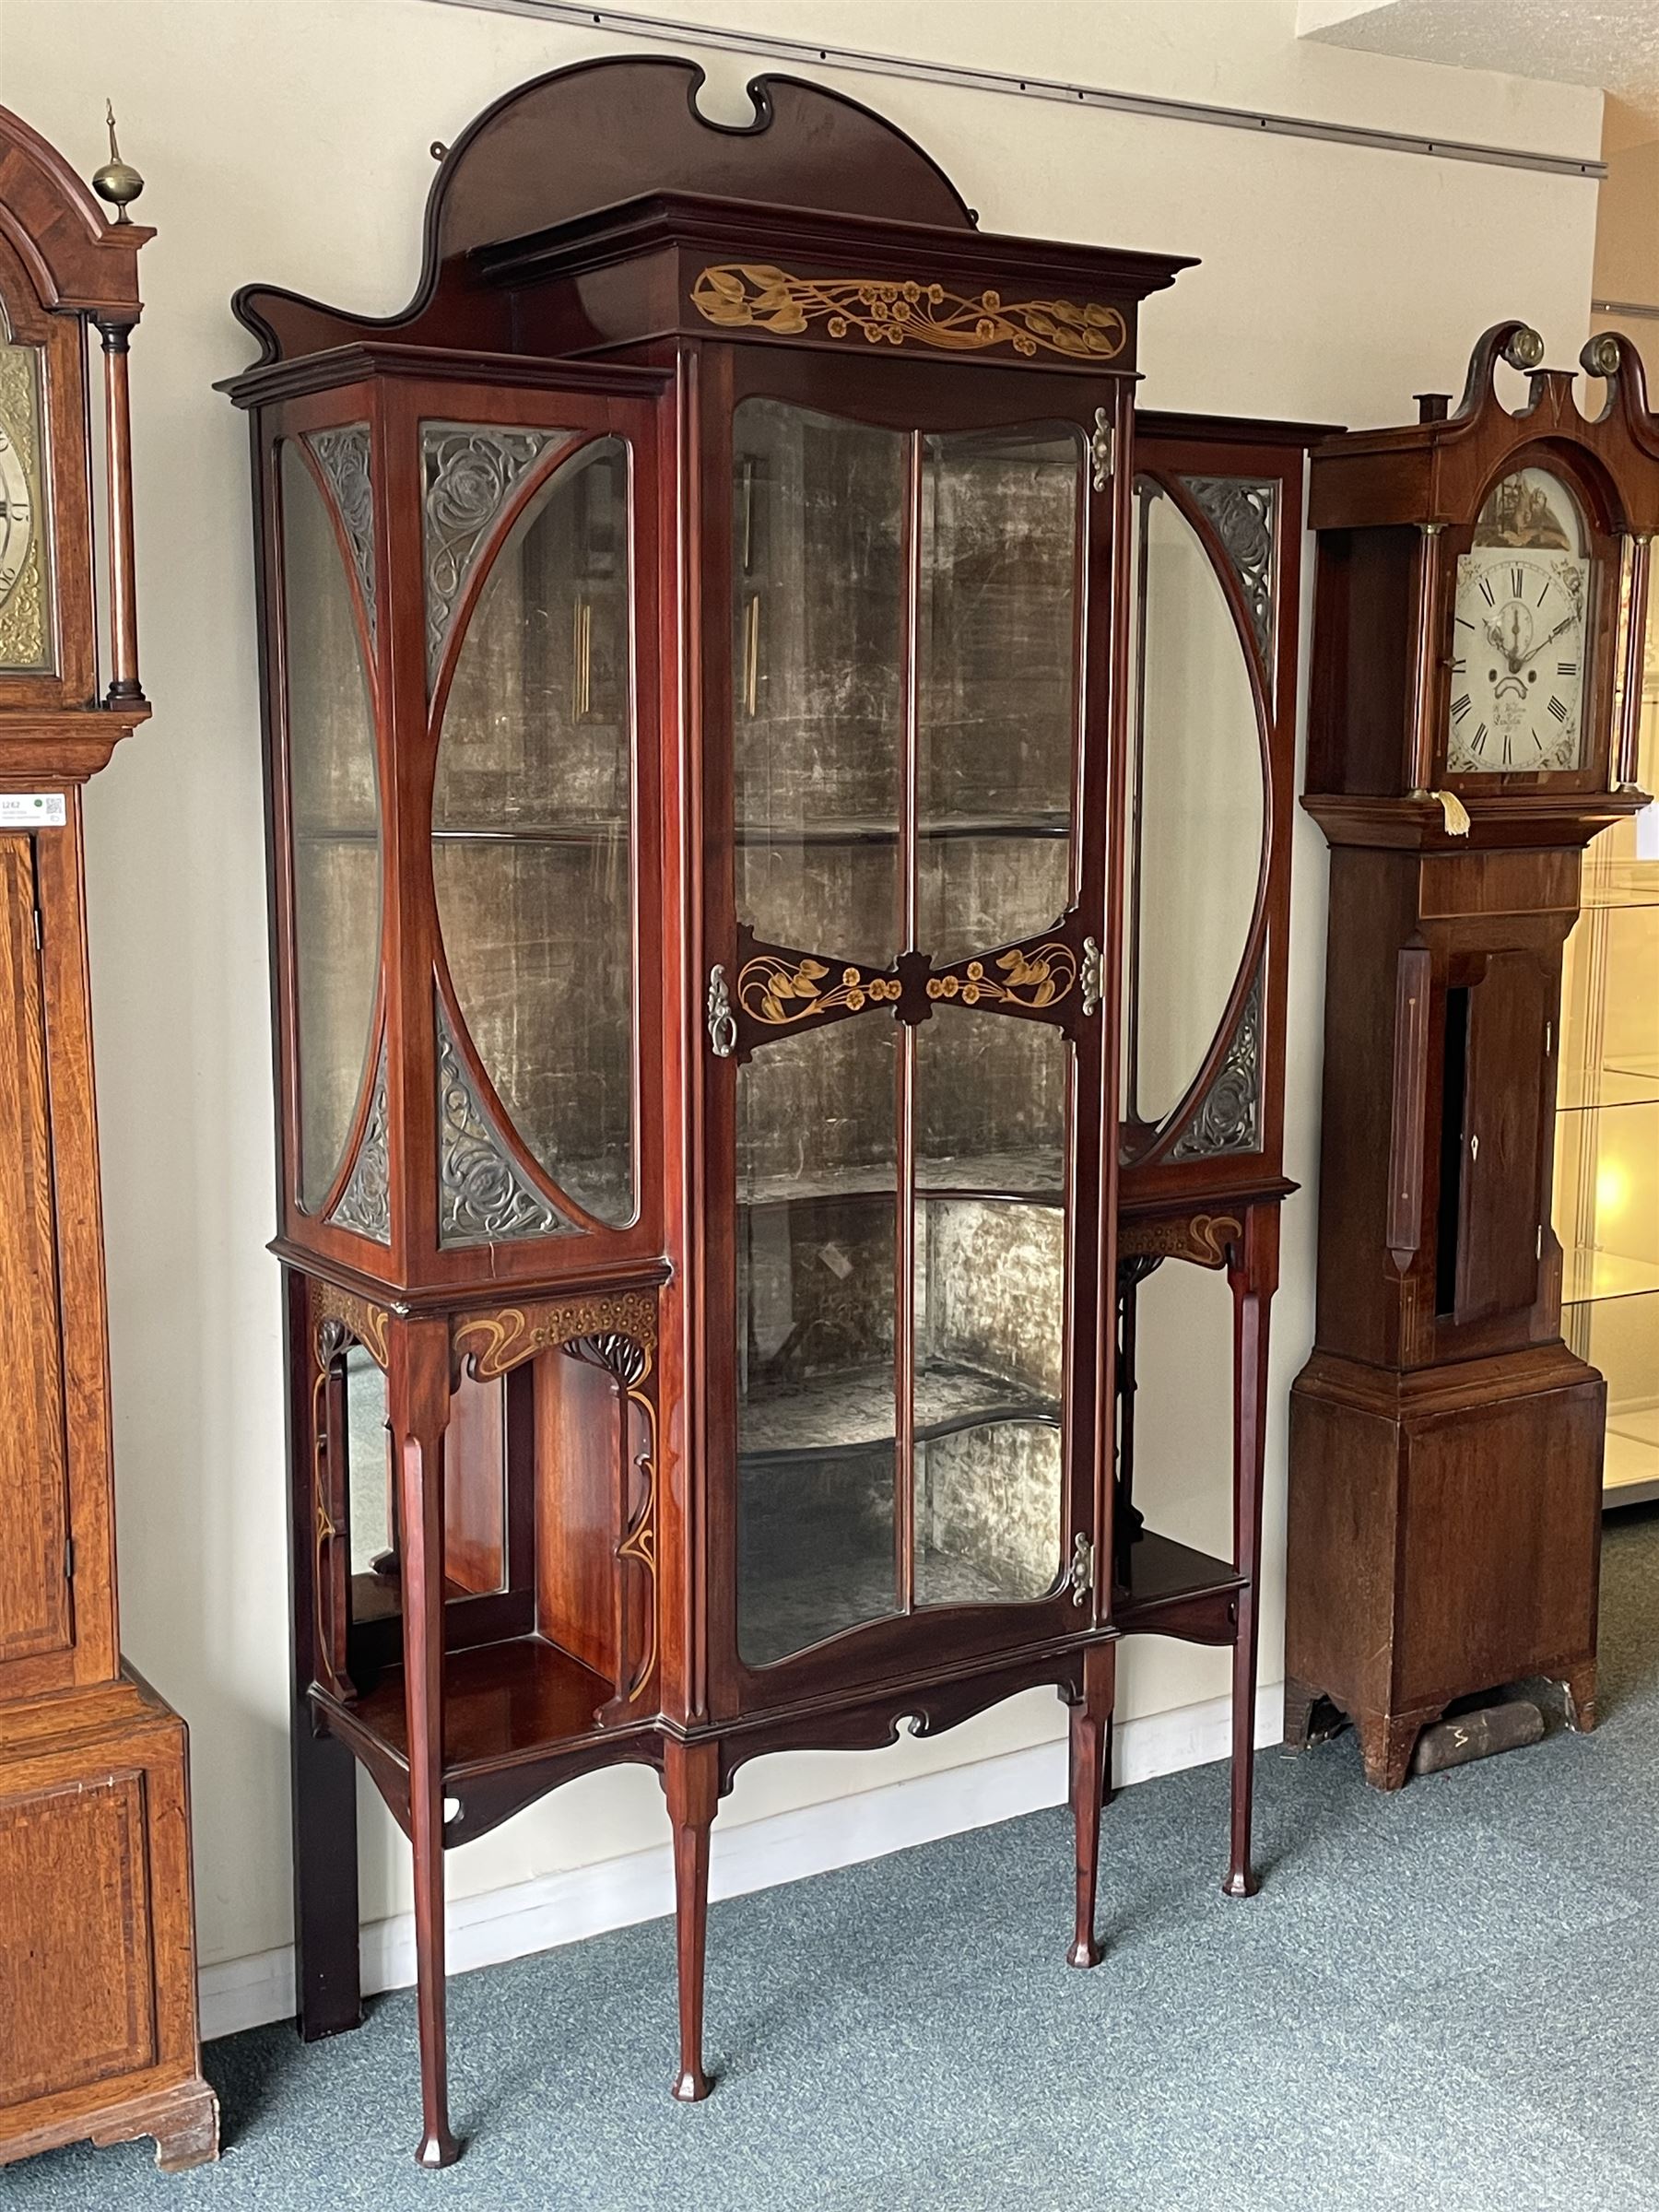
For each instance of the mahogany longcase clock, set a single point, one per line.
(1474, 723)
(98, 2000)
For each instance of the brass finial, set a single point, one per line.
(1525, 348)
(117, 182)
(1602, 356)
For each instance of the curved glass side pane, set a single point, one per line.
(533, 832)
(334, 812)
(997, 682)
(817, 679)
(1197, 812)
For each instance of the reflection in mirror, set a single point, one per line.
(475, 1485)
(989, 1311)
(816, 1186)
(533, 831)
(817, 543)
(998, 657)
(368, 1464)
(334, 812)
(1197, 816)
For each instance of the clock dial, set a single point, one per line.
(1516, 696)
(25, 628)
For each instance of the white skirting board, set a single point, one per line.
(753, 1855)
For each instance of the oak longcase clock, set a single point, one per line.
(1473, 724)
(98, 1999)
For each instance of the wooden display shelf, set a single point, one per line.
(584, 836)
(1016, 1178)
(500, 1699)
(1162, 1588)
(854, 1413)
(871, 829)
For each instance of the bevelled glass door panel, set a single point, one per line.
(907, 676)
(533, 840)
(997, 659)
(335, 811)
(817, 672)
(1197, 795)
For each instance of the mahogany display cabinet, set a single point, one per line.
(708, 771)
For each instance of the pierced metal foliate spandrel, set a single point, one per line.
(722, 1022)
(1081, 1577)
(1090, 976)
(1101, 450)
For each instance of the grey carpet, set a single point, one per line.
(1443, 2002)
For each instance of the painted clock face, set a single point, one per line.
(25, 625)
(1517, 690)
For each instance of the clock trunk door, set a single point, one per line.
(1499, 1100)
(53, 1476)
(903, 1080)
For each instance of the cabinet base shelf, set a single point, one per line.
(519, 1717)
(1163, 1588)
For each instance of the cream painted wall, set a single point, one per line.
(285, 140)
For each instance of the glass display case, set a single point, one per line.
(701, 636)
(1606, 1165)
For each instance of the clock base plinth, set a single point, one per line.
(1444, 1538)
(97, 1952)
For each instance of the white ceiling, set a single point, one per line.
(1613, 43)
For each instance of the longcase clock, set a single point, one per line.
(1473, 724)
(98, 2003)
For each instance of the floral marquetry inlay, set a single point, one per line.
(491, 1344)
(367, 1323)
(782, 991)
(1201, 1238)
(755, 296)
(1039, 976)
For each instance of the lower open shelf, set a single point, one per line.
(505, 1702)
(500, 1700)
(1165, 1588)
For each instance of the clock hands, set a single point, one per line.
(1568, 621)
(1511, 648)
